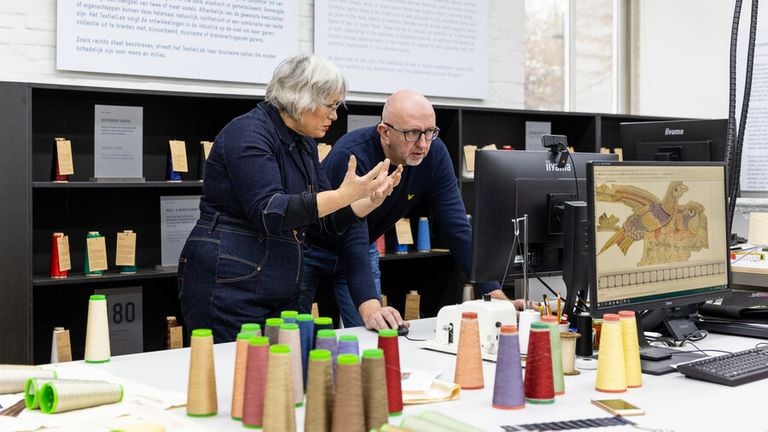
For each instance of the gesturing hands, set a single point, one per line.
(384, 185)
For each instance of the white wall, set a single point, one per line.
(28, 54)
(680, 66)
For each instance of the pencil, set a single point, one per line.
(558, 307)
(547, 307)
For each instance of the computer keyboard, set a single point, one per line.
(730, 369)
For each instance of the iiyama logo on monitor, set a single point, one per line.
(553, 167)
(668, 131)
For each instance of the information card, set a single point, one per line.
(118, 132)
(178, 215)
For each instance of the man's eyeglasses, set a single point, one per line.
(413, 136)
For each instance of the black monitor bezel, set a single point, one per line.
(683, 300)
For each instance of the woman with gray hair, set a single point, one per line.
(263, 189)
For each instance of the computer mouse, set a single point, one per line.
(402, 330)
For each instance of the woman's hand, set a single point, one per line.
(364, 206)
(356, 187)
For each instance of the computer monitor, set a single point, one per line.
(674, 140)
(657, 236)
(511, 183)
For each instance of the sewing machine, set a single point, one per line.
(491, 315)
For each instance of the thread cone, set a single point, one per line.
(611, 368)
(469, 359)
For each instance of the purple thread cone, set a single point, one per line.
(326, 339)
(348, 344)
(508, 386)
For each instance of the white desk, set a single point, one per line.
(750, 274)
(671, 402)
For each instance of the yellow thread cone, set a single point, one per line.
(611, 370)
(631, 349)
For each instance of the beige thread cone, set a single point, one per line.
(97, 348)
(469, 359)
(348, 408)
(289, 335)
(375, 388)
(201, 390)
(279, 409)
(319, 411)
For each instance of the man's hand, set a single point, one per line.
(377, 317)
(499, 295)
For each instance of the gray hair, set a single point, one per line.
(303, 83)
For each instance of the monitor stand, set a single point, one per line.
(659, 360)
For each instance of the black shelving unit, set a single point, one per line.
(32, 115)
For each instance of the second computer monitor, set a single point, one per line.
(657, 234)
(510, 184)
(674, 140)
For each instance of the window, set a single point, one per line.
(571, 52)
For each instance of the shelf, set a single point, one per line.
(117, 185)
(413, 255)
(110, 276)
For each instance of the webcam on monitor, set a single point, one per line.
(557, 144)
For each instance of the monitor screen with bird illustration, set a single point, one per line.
(658, 233)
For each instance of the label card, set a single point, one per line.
(178, 155)
(62, 245)
(126, 323)
(403, 230)
(175, 339)
(207, 145)
(97, 253)
(64, 157)
(125, 254)
(620, 152)
(118, 138)
(178, 215)
(62, 348)
(412, 306)
(469, 157)
(323, 150)
(533, 132)
(490, 147)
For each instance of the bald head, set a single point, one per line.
(406, 111)
(407, 104)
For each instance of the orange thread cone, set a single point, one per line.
(469, 359)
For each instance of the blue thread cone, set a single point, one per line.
(401, 249)
(348, 344)
(306, 333)
(171, 175)
(508, 391)
(422, 241)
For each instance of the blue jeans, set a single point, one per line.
(230, 274)
(324, 263)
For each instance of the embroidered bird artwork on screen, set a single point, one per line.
(668, 230)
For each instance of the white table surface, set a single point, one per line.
(672, 402)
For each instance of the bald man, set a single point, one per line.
(408, 136)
